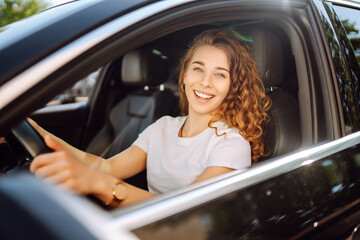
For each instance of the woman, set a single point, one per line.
(225, 107)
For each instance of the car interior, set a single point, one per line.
(141, 86)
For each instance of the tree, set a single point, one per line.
(14, 10)
(352, 32)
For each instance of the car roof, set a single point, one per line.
(33, 38)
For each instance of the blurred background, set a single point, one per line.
(14, 10)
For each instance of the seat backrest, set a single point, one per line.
(138, 110)
(283, 133)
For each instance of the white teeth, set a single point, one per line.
(202, 95)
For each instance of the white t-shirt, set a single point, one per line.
(174, 162)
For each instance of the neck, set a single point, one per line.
(195, 124)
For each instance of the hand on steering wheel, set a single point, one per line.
(30, 139)
(62, 167)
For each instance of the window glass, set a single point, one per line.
(350, 19)
(346, 22)
(80, 92)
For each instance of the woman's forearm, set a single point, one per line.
(103, 186)
(123, 165)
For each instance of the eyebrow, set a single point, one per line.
(203, 64)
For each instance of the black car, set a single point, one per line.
(308, 57)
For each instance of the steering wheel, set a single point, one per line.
(27, 143)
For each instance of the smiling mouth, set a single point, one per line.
(203, 95)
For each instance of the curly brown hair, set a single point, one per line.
(245, 107)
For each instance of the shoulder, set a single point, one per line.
(228, 138)
(228, 134)
(228, 148)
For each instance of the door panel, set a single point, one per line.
(318, 200)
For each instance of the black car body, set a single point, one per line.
(308, 188)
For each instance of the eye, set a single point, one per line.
(220, 75)
(198, 69)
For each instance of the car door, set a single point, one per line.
(310, 194)
(313, 194)
(303, 193)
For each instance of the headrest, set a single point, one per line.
(143, 68)
(268, 55)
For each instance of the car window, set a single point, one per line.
(346, 27)
(350, 19)
(79, 92)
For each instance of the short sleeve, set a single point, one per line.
(143, 139)
(233, 152)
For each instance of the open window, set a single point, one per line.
(272, 37)
(125, 101)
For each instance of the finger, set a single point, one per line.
(59, 178)
(46, 159)
(51, 169)
(68, 185)
(32, 123)
(53, 143)
(36, 126)
(41, 160)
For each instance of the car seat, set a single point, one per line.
(139, 109)
(283, 132)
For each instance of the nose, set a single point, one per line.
(206, 80)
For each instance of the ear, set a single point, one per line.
(182, 78)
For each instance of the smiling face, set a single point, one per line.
(207, 80)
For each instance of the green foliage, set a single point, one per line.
(349, 27)
(351, 31)
(14, 10)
